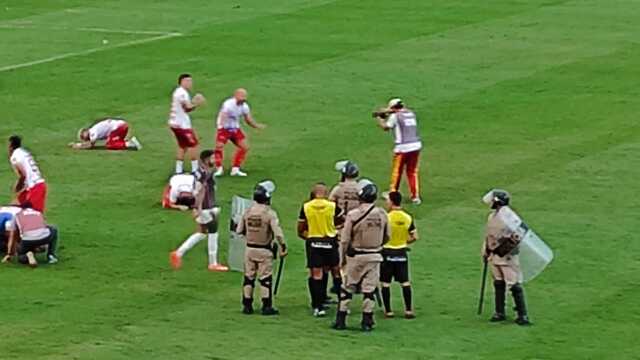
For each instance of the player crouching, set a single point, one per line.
(205, 212)
(28, 232)
(260, 225)
(113, 131)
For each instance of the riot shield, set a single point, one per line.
(535, 254)
(237, 242)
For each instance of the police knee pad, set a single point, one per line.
(345, 295)
(266, 282)
(369, 295)
(516, 289)
(249, 282)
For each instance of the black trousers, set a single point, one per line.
(32, 245)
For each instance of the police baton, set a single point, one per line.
(278, 276)
(482, 286)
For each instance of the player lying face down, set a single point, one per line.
(180, 194)
(113, 131)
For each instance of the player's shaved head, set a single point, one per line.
(240, 94)
(319, 190)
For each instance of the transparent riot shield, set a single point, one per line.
(237, 242)
(535, 254)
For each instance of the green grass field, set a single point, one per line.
(536, 96)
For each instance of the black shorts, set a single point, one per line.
(395, 266)
(322, 253)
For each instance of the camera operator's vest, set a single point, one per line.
(406, 131)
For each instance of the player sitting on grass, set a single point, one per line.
(29, 231)
(112, 130)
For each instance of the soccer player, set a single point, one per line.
(180, 122)
(404, 124)
(395, 253)
(228, 125)
(205, 215)
(30, 187)
(317, 226)
(180, 192)
(112, 130)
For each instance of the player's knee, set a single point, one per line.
(406, 284)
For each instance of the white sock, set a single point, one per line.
(194, 165)
(179, 167)
(213, 249)
(190, 243)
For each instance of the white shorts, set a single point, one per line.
(207, 215)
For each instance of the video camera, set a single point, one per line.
(381, 114)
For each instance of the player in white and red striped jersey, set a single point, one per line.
(180, 122)
(30, 187)
(113, 131)
(228, 124)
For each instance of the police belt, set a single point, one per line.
(351, 252)
(256, 246)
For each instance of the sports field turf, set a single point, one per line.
(536, 96)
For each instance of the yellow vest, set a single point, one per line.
(401, 225)
(320, 214)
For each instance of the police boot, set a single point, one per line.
(267, 308)
(521, 305)
(500, 293)
(247, 306)
(341, 321)
(367, 322)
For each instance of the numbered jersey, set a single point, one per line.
(405, 129)
(178, 117)
(24, 162)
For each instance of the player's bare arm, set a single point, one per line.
(253, 123)
(85, 145)
(413, 236)
(19, 185)
(11, 246)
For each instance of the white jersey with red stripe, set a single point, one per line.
(22, 160)
(231, 113)
(178, 117)
(102, 129)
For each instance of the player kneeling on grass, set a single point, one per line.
(205, 214)
(29, 231)
(395, 253)
(179, 194)
(7, 223)
(260, 226)
(113, 131)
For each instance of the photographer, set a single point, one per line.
(407, 148)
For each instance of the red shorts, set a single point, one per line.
(234, 135)
(37, 196)
(186, 137)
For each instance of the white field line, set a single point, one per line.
(85, 29)
(89, 51)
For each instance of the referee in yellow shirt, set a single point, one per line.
(395, 265)
(317, 226)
